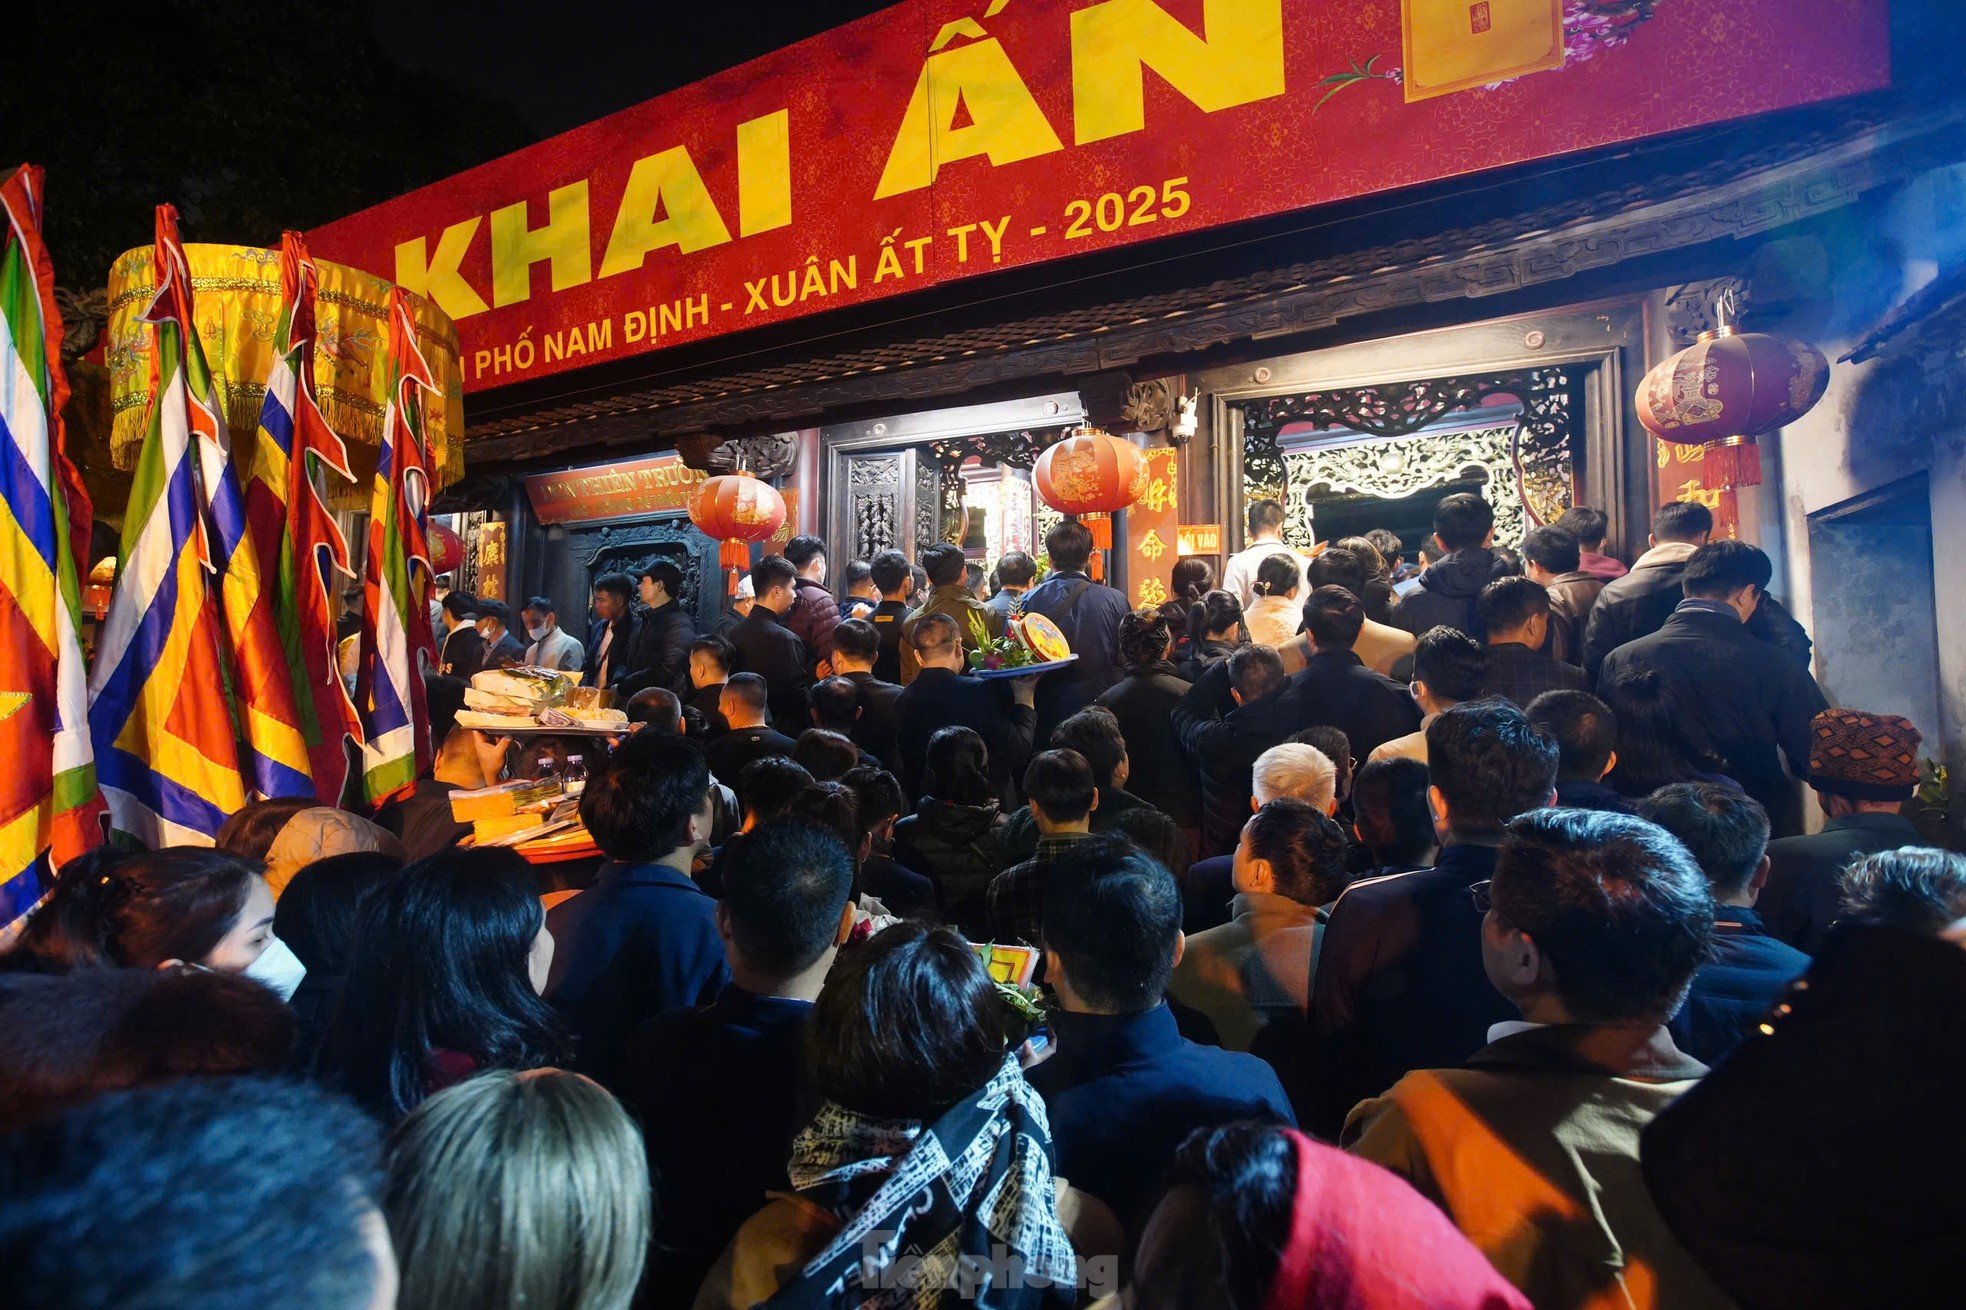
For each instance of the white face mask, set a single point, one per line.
(277, 968)
(539, 633)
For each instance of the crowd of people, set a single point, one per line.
(1406, 932)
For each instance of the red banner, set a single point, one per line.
(1153, 529)
(941, 139)
(654, 485)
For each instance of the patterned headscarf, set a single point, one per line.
(960, 1212)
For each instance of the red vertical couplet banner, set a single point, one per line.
(1153, 530)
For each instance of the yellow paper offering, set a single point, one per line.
(1457, 45)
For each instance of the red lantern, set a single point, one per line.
(446, 548)
(1725, 390)
(1092, 475)
(739, 509)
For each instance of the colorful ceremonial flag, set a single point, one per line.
(397, 645)
(273, 754)
(166, 749)
(49, 805)
(302, 556)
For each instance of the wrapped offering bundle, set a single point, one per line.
(533, 700)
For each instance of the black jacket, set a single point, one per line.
(506, 651)
(728, 754)
(1631, 607)
(960, 847)
(1143, 700)
(878, 728)
(1447, 593)
(900, 888)
(1202, 658)
(1020, 831)
(1222, 740)
(887, 618)
(658, 651)
(942, 698)
(618, 649)
(769, 649)
(1745, 703)
(1336, 690)
(1754, 1167)
(1800, 901)
(1399, 983)
(1639, 604)
(709, 703)
(1516, 673)
(462, 653)
(641, 940)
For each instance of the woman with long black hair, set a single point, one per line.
(1654, 746)
(1215, 630)
(443, 981)
(1191, 580)
(110, 909)
(955, 835)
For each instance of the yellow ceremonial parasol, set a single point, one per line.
(237, 301)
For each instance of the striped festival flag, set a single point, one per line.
(273, 752)
(302, 555)
(49, 805)
(397, 646)
(166, 747)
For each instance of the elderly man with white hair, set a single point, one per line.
(1293, 771)
(1289, 771)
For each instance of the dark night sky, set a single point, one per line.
(565, 64)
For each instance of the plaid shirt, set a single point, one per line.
(1016, 897)
(1520, 674)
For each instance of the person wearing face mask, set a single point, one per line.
(185, 906)
(552, 648)
(502, 649)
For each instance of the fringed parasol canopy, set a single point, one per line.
(236, 293)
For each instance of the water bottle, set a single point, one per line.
(575, 778)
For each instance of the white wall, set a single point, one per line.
(1882, 421)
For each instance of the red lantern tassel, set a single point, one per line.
(1101, 527)
(1735, 462)
(734, 555)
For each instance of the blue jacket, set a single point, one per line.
(1580, 795)
(1735, 990)
(1124, 1091)
(641, 940)
(1089, 615)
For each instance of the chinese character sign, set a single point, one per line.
(1153, 530)
(491, 560)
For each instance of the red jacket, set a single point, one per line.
(812, 618)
